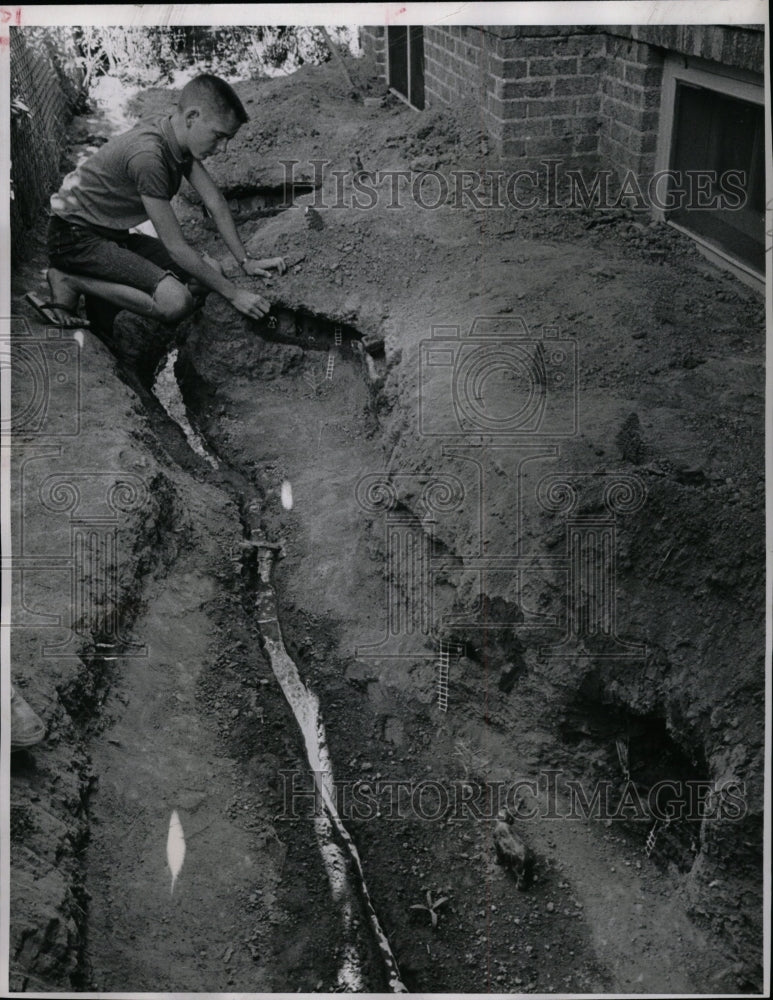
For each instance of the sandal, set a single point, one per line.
(43, 309)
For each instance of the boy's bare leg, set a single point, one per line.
(65, 294)
(66, 290)
(171, 302)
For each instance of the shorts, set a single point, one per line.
(116, 255)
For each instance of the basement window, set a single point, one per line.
(405, 63)
(712, 139)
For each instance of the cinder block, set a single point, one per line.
(473, 35)
(592, 65)
(467, 52)
(587, 124)
(576, 85)
(623, 113)
(643, 142)
(588, 104)
(515, 147)
(591, 44)
(548, 146)
(586, 143)
(528, 47)
(618, 131)
(537, 127)
(545, 66)
(528, 87)
(507, 110)
(640, 52)
(560, 126)
(433, 39)
(643, 76)
(508, 69)
(558, 107)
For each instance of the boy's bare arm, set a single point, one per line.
(218, 208)
(171, 235)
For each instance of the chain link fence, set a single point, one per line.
(43, 99)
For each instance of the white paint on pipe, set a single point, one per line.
(175, 847)
(305, 706)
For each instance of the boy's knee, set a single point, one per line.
(173, 300)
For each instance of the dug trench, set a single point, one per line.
(212, 736)
(331, 463)
(302, 407)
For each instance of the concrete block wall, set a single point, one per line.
(740, 47)
(581, 93)
(630, 106)
(631, 86)
(373, 41)
(537, 92)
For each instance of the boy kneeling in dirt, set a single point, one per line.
(131, 179)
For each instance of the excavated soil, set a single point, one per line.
(670, 392)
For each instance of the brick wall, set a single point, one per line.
(585, 94)
(373, 45)
(631, 85)
(742, 47)
(538, 93)
(630, 105)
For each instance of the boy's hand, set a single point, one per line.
(250, 304)
(261, 268)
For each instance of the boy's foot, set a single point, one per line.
(64, 299)
(50, 313)
(27, 728)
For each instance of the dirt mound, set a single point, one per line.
(591, 508)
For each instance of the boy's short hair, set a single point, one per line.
(215, 93)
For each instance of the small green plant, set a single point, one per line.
(474, 762)
(431, 907)
(316, 381)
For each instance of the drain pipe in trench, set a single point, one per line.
(305, 706)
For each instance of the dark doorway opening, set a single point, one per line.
(405, 47)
